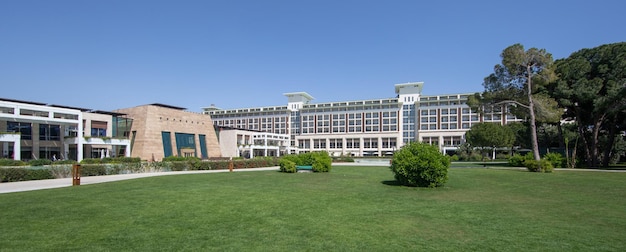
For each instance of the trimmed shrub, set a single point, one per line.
(23, 174)
(93, 170)
(542, 166)
(178, 158)
(38, 174)
(13, 174)
(179, 166)
(518, 160)
(11, 162)
(62, 162)
(557, 160)
(420, 164)
(39, 162)
(287, 166)
(321, 161)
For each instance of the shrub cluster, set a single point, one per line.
(542, 165)
(320, 161)
(546, 164)
(420, 164)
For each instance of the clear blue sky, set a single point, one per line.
(234, 54)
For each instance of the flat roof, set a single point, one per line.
(304, 94)
(167, 106)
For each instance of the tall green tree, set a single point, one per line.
(490, 135)
(517, 81)
(592, 88)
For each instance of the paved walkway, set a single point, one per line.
(67, 182)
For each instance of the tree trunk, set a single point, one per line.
(606, 157)
(531, 108)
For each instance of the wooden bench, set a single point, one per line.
(304, 168)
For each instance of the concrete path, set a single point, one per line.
(66, 182)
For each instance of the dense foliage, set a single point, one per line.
(287, 166)
(592, 90)
(420, 164)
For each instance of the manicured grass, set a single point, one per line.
(348, 209)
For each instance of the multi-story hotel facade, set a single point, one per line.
(375, 127)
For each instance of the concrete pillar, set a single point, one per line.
(17, 149)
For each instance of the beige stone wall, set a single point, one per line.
(150, 120)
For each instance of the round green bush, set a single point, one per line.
(420, 164)
(543, 165)
(287, 166)
(322, 162)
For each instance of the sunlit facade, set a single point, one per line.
(374, 127)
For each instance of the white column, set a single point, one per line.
(17, 149)
(79, 138)
(441, 144)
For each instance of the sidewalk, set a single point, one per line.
(32, 185)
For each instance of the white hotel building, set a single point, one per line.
(374, 127)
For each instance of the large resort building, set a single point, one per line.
(376, 127)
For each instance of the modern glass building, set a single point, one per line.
(375, 127)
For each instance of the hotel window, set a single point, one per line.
(452, 111)
(319, 143)
(372, 122)
(355, 122)
(336, 143)
(25, 129)
(48, 132)
(371, 143)
(323, 123)
(98, 128)
(308, 124)
(339, 123)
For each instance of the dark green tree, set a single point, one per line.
(490, 136)
(592, 88)
(516, 82)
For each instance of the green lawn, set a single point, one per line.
(348, 209)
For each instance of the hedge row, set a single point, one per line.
(24, 174)
(111, 168)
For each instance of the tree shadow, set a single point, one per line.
(391, 183)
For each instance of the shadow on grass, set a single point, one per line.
(391, 183)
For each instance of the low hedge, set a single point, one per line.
(11, 162)
(24, 174)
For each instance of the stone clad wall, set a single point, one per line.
(150, 120)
